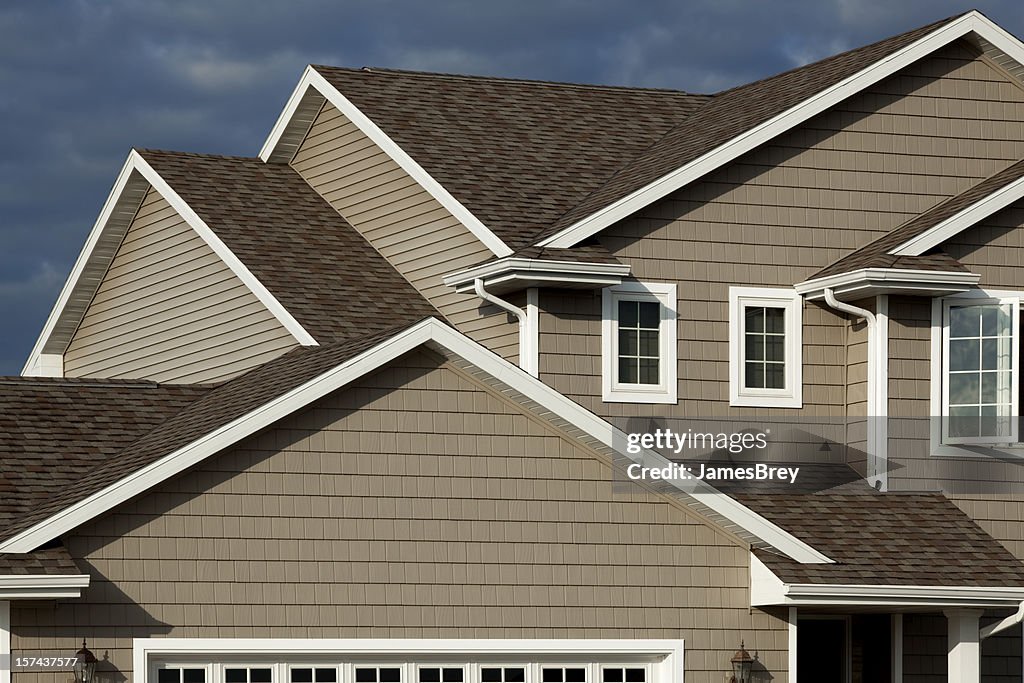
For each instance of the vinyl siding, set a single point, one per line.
(411, 229)
(995, 250)
(416, 503)
(925, 659)
(780, 213)
(170, 310)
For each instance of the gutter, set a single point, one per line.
(877, 431)
(527, 324)
(42, 586)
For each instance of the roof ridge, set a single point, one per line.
(509, 79)
(198, 155)
(838, 55)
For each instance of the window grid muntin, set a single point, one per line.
(638, 325)
(769, 333)
(955, 415)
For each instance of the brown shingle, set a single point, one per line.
(886, 539)
(321, 270)
(53, 432)
(516, 153)
(200, 416)
(729, 114)
(49, 561)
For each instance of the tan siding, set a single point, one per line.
(170, 310)
(402, 221)
(780, 213)
(414, 504)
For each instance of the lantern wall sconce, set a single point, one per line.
(742, 663)
(85, 665)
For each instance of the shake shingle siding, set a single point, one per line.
(411, 229)
(415, 503)
(781, 213)
(170, 310)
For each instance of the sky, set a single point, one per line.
(82, 82)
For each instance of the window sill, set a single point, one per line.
(766, 401)
(627, 396)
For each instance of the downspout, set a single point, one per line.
(1006, 623)
(875, 376)
(527, 352)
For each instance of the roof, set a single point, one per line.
(49, 561)
(316, 264)
(200, 412)
(729, 114)
(53, 432)
(919, 539)
(876, 254)
(517, 154)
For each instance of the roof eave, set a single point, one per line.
(868, 282)
(767, 590)
(42, 586)
(513, 274)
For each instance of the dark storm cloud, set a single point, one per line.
(82, 81)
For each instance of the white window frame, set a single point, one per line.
(791, 396)
(666, 391)
(940, 444)
(664, 658)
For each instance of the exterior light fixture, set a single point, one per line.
(742, 663)
(85, 665)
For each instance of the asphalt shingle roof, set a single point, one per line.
(518, 154)
(875, 254)
(317, 265)
(920, 539)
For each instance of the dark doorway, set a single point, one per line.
(821, 650)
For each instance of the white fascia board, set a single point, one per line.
(867, 280)
(217, 440)
(76, 272)
(794, 116)
(430, 330)
(766, 589)
(311, 78)
(210, 237)
(954, 225)
(42, 586)
(538, 270)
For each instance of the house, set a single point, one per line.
(353, 410)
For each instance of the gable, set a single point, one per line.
(408, 226)
(169, 309)
(401, 506)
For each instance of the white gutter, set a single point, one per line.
(42, 586)
(527, 340)
(867, 281)
(1006, 623)
(877, 376)
(518, 272)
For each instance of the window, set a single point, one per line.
(979, 377)
(631, 674)
(502, 674)
(638, 343)
(563, 674)
(765, 365)
(255, 674)
(378, 674)
(311, 674)
(180, 675)
(441, 674)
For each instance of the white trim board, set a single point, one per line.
(972, 22)
(766, 589)
(311, 78)
(666, 656)
(42, 586)
(964, 219)
(137, 169)
(427, 331)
